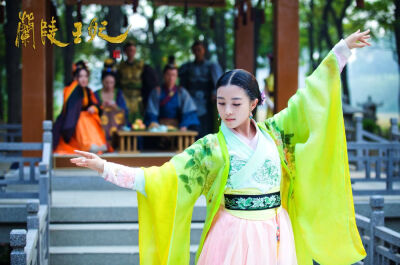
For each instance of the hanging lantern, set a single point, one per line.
(360, 3)
(116, 54)
(78, 11)
(2, 3)
(135, 4)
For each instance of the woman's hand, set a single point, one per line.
(89, 160)
(358, 39)
(92, 109)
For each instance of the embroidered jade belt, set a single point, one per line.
(252, 202)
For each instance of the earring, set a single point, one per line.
(219, 117)
(251, 116)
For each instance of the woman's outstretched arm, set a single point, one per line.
(122, 176)
(308, 108)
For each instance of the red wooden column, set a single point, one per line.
(34, 77)
(286, 22)
(50, 67)
(244, 42)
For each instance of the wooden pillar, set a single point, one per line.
(34, 77)
(286, 50)
(244, 42)
(50, 67)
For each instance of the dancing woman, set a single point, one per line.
(277, 191)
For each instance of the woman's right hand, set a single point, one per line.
(358, 39)
(89, 160)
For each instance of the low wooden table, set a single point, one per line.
(128, 140)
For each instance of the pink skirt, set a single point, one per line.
(236, 241)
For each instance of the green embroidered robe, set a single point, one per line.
(315, 184)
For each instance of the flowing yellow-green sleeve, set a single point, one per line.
(321, 203)
(165, 213)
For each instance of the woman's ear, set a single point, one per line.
(254, 103)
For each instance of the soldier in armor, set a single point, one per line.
(199, 78)
(136, 79)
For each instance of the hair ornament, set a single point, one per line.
(263, 98)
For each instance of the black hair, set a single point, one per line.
(169, 66)
(245, 80)
(78, 66)
(106, 73)
(109, 69)
(128, 44)
(198, 42)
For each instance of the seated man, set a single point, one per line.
(171, 105)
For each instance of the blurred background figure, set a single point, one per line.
(199, 78)
(136, 80)
(78, 125)
(171, 105)
(269, 90)
(112, 103)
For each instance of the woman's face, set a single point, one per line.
(234, 105)
(83, 78)
(109, 82)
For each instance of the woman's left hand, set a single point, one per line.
(358, 39)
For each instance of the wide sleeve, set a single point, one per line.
(165, 214)
(321, 203)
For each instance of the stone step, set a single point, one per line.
(104, 234)
(103, 207)
(101, 255)
(82, 183)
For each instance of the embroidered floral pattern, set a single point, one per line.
(283, 141)
(267, 174)
(252, 203)
(198, 166)
(236, 164)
